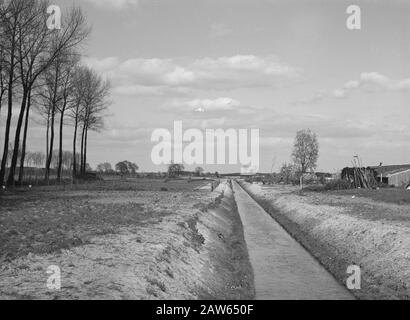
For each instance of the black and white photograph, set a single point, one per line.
(223, 151)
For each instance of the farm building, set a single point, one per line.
(398, 175)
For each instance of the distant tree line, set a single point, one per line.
(122, 167)
(40, 71)
(174, 170)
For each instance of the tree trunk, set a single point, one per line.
(23, 150)
(13, 166)
(47, 134)
(82, 152)
(60, 147)
(51, 143)
(6, 145)
(53, 115)
(9, 114)
(1, 100)
(85, 151)
(75, 147)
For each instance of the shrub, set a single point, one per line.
(338, 185)
(309, 178)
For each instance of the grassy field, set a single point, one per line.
(389, 195)
(374, 205)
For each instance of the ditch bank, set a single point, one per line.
(227, 273)
(338, 240)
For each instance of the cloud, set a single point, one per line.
(220, 30)
(204, 105)
(376, 80)
(179, 76)
(114, 4)
(284, 125)
(127, 131)
(207, 73)
(352, 84)
(200, 108)
(317, 97)
(403, 84)
(102, 65)
(370, 81)
(247, 63)
(339, 93)
(141, 90)
(213, 123)
(374, 77)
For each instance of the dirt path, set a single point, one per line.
(283, 269)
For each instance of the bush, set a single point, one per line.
(338, 185)
(309, 178)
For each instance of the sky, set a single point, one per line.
(274, 65)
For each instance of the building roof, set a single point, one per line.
(390, 170)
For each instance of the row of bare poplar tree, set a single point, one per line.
(41, 71)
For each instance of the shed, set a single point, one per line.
(396, 175)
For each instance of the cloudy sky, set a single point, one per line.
(276, 65)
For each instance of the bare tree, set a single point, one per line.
(38, 68)
(305, 151)
(68, 100)
(49, 98)
(95, 102)
(30, 49)
(10, 17)
(44, 109)
(38, 159)
(77, 111)
(3, 73)
(37, 49)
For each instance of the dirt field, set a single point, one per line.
(390, 195)
(345, 228)
(140, 239)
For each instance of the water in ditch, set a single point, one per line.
(283, 269)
